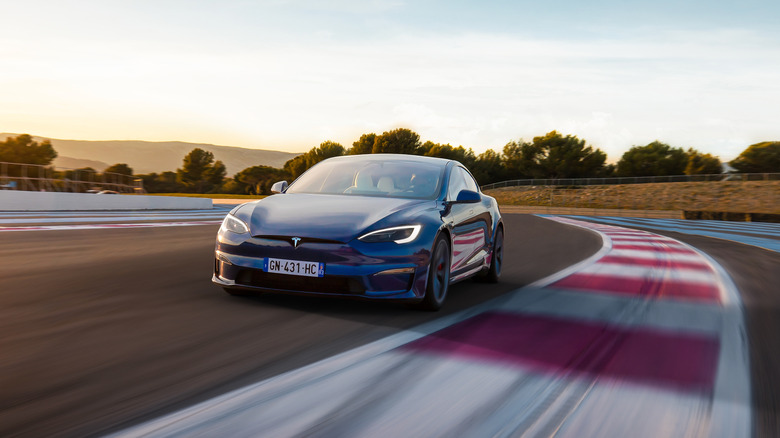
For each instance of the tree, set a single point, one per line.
(702, 164)
(655, 159)
(199, 172)
(461, 154)
(518, 159)
(327, 149)
(488, 168)
(364, 145)
(166, 182)
(398, 141)
(215, 175)
(554, 156)
(257, 180)
(761, 157)
(120, 168)
(23, 149)
(296, 166)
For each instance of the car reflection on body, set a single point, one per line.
(381, 226)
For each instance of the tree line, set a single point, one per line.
(552, 155)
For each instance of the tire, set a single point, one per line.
(438, 276)
(497, 261)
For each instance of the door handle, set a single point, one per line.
(471, 211)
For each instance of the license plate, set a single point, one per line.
(294, 267)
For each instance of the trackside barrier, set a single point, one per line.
(732, 216)
(17, 200)
(34, 177)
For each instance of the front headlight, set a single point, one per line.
(234, 224)
(404, 234)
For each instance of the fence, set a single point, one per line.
(34, 177)
(635, 180)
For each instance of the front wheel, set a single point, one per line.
(438, 276)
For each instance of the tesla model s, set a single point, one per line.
(379, 227)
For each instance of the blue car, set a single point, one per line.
(378, 227)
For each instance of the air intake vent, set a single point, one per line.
(328, 284)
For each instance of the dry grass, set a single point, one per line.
(727, 196)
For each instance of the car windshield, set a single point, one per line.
(392, 178)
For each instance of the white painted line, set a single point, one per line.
(676, 275)
(643, 240)
(648, 243)
(655, 255)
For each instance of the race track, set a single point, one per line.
(108, 329)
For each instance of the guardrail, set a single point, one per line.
(635, 180)
(34, 177)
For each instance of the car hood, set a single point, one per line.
(331, 217)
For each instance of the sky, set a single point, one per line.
(290, 74)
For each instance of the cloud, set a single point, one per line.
(703, 89)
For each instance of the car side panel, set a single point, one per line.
(472, 228)
(469, 235)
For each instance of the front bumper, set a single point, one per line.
(373, 271)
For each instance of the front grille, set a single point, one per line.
(327, 284)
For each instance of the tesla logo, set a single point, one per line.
(295, 241)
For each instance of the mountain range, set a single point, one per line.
(147, 157)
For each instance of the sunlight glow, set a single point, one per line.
(701, 88)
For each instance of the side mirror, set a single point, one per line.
(279, 187)
(468, 197)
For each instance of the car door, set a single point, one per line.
(470, 225)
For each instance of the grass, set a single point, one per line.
(726, 196)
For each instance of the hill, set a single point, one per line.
(78, 163)
(147, 156)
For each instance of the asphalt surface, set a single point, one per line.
(643, 340)
(103, 329)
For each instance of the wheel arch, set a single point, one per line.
(447, 232)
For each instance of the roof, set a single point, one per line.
(395, 157)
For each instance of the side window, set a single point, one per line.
(457, 183)
(470, 183)
(460, 179)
